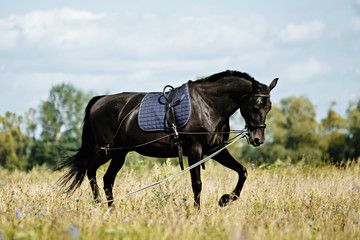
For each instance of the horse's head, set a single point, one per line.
(256, 110)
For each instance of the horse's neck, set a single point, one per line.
(225, 95)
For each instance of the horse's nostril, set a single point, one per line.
(257, 142)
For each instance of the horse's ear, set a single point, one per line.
(273, 83)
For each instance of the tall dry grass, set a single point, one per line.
(286, 202)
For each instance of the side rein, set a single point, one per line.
(171, 120)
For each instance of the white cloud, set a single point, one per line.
(83, 42)
(54, 28)
(304, 71)
(355, 23)
(357, 71)
(130, 34)
(302, 32)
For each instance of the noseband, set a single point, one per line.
(256, 126)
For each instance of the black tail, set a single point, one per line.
(78, 162)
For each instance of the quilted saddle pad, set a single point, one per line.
(152, 110)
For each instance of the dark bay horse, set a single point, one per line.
(113, 119)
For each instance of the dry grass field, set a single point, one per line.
(283, 202)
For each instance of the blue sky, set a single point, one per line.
(116, 46)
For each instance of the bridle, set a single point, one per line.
(249, 126)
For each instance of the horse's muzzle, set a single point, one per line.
(257, 142)
(256, 137)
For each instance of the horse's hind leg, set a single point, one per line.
(227, 160)
(116, 164)
(98, 160)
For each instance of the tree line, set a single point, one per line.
(43, 136)
(294, 134)
(46, 134)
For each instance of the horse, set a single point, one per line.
(111, 120)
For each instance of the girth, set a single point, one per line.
(171, 119)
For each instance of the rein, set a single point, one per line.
(107, 148)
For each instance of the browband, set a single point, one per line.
(262, 95)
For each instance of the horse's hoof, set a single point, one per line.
(224, 200)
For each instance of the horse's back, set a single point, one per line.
(107, 112)
(117, 101)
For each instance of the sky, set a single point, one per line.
(312, 46)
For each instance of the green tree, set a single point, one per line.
(353, 139)
(292, 133)
(62, 113)
(60, 118)
(31, 123)
(334, 126)
(276, 136)
(14, 144)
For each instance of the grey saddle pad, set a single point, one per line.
(152, 110)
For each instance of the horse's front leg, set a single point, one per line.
(227, 160)
(196, 184)
(193, 158)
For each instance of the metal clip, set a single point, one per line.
(175, 131)
(106, 148)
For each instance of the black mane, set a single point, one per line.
(228, 73)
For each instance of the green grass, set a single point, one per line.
(284, 202)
